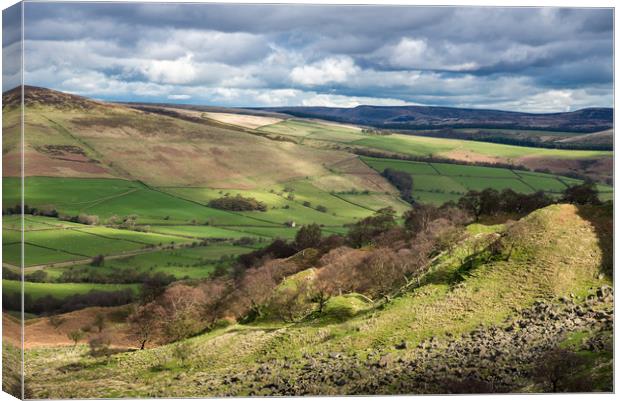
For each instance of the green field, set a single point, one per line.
(112, 197)
(202, 232)
(441, 182)
(302, 208)
(34, 255)
(168, 215)
(87, 243)
(195, 262)
(61, 290)
(49, 240)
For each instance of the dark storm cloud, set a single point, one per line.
(264, 54)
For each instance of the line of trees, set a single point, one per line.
(17, 209)
(402, 181)
(490, 202)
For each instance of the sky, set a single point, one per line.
(522, 59)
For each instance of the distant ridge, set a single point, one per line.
(587, 120)
(430, 117)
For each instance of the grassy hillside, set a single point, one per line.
(560, 161)
(76, 137)
(561, 256)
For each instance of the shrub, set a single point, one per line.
(100, 345)
(91, 220)
(557, 370)
(308, 237)
(99, 322)
(237, 203)
(182, 351)
(277, 249)
(76, 336)
(291, 301)
(344, 307)
(97, 261)
(365, 230)
(584, 194)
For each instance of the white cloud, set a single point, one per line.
(410, 52)
(414, 53)
(551, 101)
(179, 71)
(179, 97)
(206, 46)
(329, 70)
(327, 100)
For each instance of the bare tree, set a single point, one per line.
(182, 305)
(100, 345)
(145, 323)
(256, 286)
(99, 322)
(215, 292)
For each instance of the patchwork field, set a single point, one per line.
(193, 263)
(176, 215)
(440, 182)
(561, 161)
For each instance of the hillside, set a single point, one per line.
(137, 185)
(116, 141)
(427, 117)
(71, 136)
(491, 318)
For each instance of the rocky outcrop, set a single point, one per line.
(499, 358)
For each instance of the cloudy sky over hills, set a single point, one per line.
(523, 59)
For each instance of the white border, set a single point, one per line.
(487, 3)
